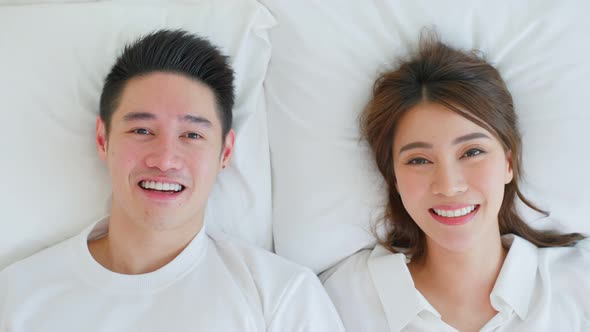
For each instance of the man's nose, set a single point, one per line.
(164, 155)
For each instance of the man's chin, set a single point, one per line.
(163, 222)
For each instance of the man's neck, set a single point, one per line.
(133, 247)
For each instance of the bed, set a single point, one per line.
(302, 182)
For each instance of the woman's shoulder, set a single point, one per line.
(564, 272)
(552, 259)
(562, 259)
(548, 288)
(349, 271)
(357, 268)
(355, 285)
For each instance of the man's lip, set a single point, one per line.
(162, 196)
(162, 180)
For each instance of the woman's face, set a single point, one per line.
(450, 174)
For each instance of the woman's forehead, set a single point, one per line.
(432, 119)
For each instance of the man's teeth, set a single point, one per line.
(162, 186)
(455, 213)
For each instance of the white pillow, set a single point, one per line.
(326, 190)
(31, 2)
(53, 59)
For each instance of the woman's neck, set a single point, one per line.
(458, 284)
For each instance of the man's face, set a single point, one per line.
(164, 151)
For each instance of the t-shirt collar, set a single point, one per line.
(94, 273)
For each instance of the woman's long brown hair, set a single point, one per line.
(468, 85)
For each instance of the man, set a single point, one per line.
(164, 132)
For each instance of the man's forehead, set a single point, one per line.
(160, 95)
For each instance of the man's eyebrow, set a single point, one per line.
(469, 137)
(196, 119)
(134, 116)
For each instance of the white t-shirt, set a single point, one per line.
(214, 284)
(537, 290)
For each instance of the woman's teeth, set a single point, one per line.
(455, 213)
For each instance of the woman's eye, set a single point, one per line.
(418, 161)
(472, 153)
(193, 135)
(141, 131)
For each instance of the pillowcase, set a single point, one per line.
(53, 61)
(327, 192)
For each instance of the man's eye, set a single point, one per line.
(473, 153)
(418, 161)
(141, 131)
(193, 135)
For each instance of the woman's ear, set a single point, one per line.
(509, 174)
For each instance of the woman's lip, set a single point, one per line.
(451, 207)
(454, 221)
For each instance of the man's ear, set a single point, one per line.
(101, 138)
(228, 148)
(509, 175)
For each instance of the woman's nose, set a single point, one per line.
(448, 180)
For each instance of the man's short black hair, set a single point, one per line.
(172, 51)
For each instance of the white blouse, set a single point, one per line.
(537, 290)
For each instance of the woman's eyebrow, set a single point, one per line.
(415, 145)
(469, 137)
(458, 140)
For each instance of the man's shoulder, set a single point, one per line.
(257, 260)
(54, 254)
(265, 278)
(288, 295)
(37, 269)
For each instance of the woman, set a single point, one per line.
(457, 256)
